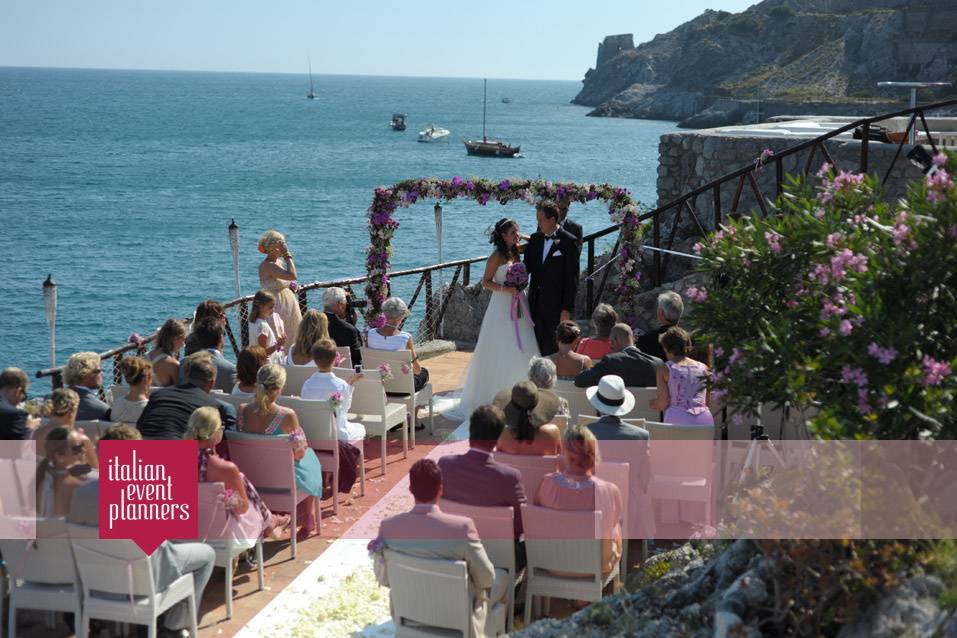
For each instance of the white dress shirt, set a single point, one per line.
(319, 387)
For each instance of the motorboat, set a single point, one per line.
(487, 147)
(398, 122)
(433, 133)
(506, 100)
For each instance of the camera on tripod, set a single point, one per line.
(352, 305)
(758, 433)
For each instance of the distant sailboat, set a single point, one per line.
(489, 147)
(312, 91)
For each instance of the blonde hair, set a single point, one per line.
(581, 447)
(79, 366)
(63, 401)
(135, 369)
(269, 238)
(203, 423)
(171, 330)
(260, 299)
(270, 378)
(314, 327)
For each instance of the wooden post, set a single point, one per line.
(466, 274)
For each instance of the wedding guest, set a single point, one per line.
(138, 374)
(323, 384)
(577, 488)
(266, 328)
(83, 374)
(15, 423)
(670, 309)
(264, 416)
(63, 468)
(681, 390)
(542, 372)
(528, 414)
(276, 272)
(168, 410)
(61, 407)
(501, 484)
(626, 361)
(209, 333)
(569, 363)
(314, 326)
(165, 356)
(207, 308)
(206, 428)
(603, 319)
(391, 337)
(248, 363)
(340, 330)
(428, 532)
(169, 560)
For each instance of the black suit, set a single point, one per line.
(575, 229)
(553, 285)
(13, 422)
(345, 335)
(169, 409)
(631, 364)
(91, 407)
(649, 344)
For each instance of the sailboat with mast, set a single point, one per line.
(489, 147)
(312, 91)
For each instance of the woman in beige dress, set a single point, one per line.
(276, 272)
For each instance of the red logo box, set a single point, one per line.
(148, 491)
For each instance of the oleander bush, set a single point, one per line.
(845, 301)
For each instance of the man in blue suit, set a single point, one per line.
(84, 375)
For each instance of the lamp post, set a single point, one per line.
(234, 247)
(49, 306)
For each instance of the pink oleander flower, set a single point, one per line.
(824, 332)
(901, 230)
(863, 405)
(696, 294)
(934, 371)
(833, 238)
(773, 240)
(820, 274)
(824, 170)
(940, 160)
(938, 182)
(846, 179)
(845, 327)
(792, 303)
(697, 248)
(736, 355)
(884, 355)
(719, 352)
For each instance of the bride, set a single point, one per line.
(505, 346)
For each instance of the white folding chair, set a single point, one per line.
(620, 475)
(318, 422)
(122, 570)
(578, 403)
(232, 399)
(269, 464)
(117, 391)
(94, 429)
(641, 409)
(496, 530)
(42, 572)
(563, 541)
(402, 383)
(371, 408)
(532, 467)
(682, 464)
(225, 535)
(432, 597)
(295, 377)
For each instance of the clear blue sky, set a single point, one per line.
(546, 39)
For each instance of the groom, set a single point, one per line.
(551, 258)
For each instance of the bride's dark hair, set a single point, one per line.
(496, 236)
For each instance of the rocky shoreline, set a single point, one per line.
(778, 57)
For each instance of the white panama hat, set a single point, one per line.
(610, 396)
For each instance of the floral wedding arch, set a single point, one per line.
(382, 223)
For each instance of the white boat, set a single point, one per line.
(433, 133)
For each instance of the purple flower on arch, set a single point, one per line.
(470, 186)
(457, 181)
(483, 199)
(412, 196)
(560, 192)
(592, 194)
(504, 185)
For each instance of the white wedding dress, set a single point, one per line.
(498, 361)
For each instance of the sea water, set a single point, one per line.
(121, 184)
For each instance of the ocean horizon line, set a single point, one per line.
(305, 74)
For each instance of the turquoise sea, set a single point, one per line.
(122, 183)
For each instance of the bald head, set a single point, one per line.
(621, 337)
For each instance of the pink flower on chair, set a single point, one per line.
(406, 368)
(386, 371)
(335, 400)
(229, 499)
(339, 359)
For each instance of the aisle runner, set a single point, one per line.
(346, 557)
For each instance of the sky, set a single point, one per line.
(525, 39)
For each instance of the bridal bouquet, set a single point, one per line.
(516, 276)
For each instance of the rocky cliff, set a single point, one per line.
(779, 56)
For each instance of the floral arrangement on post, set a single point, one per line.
(847, 300)
(382, 223)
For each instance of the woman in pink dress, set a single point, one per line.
(681, 391)
(576, 488)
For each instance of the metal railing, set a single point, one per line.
(675, 208)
